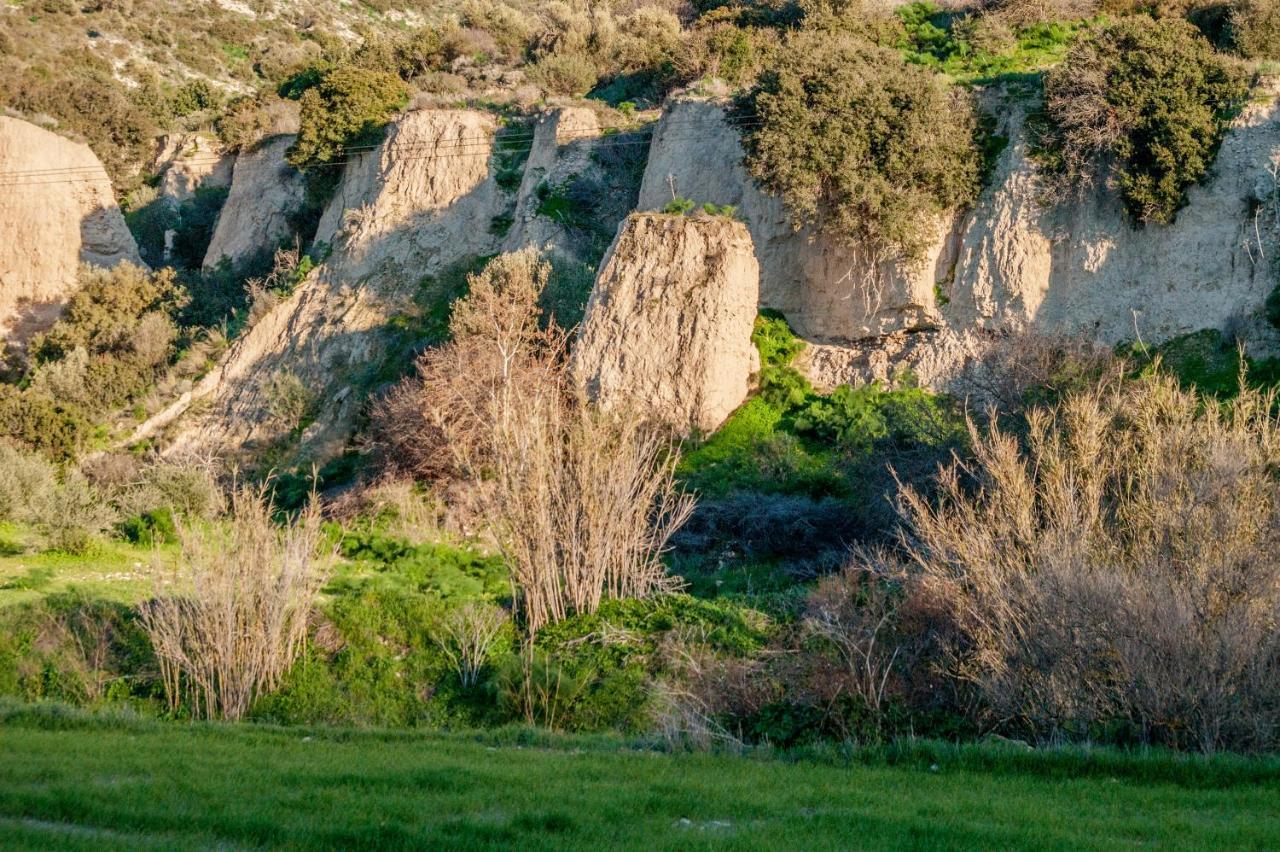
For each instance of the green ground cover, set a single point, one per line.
(112, 570)
(74, 782)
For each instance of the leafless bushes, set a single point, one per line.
(1119, 566)
(466, 634)
(240, 617)
(581, 503)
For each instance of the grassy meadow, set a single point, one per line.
(73, 781)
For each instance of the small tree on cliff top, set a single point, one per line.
(860, 144)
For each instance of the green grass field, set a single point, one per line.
(77, 783)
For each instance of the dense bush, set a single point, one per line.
(1115, 575)
(1148, 101)
(346, 107)
(861, 145)
(69, 648)
(1253, 27)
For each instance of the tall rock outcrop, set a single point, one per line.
(56, 212)
(266, 193)
(1012, 263)
(419, 203)
(828, 291)
(1081, 267)
(559, 151)
(668, 326)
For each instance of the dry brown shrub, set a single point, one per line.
(1026, 365)
(1118, 564)
(240, 619)
(580, 503)
(1022, 13)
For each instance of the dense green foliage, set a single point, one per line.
(963, 49)
(861, 144)
(317, 789)
(792, 439)
(1253, 27)
(346, 107)
(795, 476)
(1147, 99)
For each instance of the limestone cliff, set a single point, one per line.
(668, 326)
(266, 192)
(828, 292)
(1011, 263)
(57, 211)
(1081, 267)
(419, 203)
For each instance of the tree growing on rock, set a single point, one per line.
(1144, 104)
(860, 144)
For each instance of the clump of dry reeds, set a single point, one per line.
(581, 503)
(236, 616)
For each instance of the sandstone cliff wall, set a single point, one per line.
(1012, 263)
(186, 162)
(57, 211)
(560, 150)
(827, 291)
(265, 194)
(419, 203)
(668, 325)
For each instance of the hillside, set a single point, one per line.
(796, 392)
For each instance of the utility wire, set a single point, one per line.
(457, 147)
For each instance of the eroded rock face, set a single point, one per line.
(57, 211)
(266, 192)
(827, 291)
(419, 203)
(560, 151)
(668, 326)
(186, 162)
(1011, 264)
(1082, 267)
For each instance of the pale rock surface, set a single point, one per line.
(57, 211)
(828, 292)
(559, 151)
(1081, 267)
(186, 162)
(668, 325)
(265, 194)
(419, 203)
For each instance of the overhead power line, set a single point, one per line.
(459, 146)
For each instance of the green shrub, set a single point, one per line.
(26, 479)
(597, 671)
(1253, 28)
(103, 314)
(860, 144)
(678, 206)
(1147, 99)
(564, 73)
(41, 422)
(149, 216)
(197, 217)
(196, 96)
(347, 107)
(69, 648)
